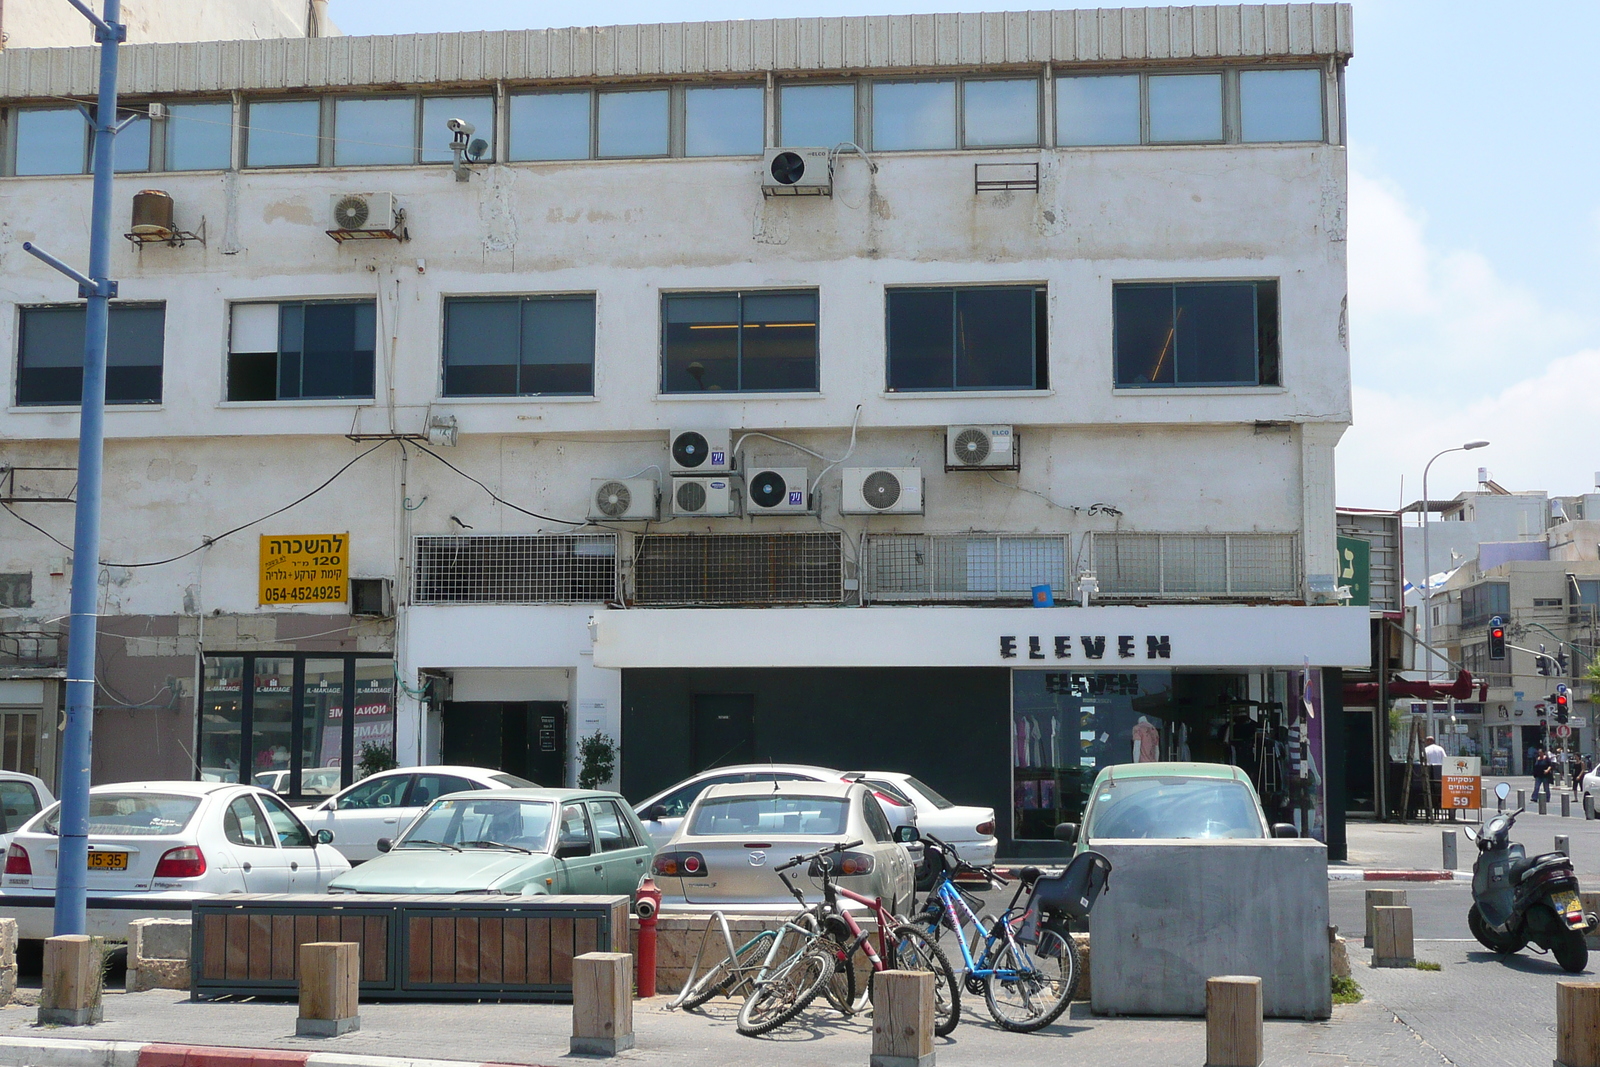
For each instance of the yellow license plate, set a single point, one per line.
(108, 861)
(1567, 902)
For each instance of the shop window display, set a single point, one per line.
(1068, 725)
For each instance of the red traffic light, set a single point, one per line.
(1497, 632)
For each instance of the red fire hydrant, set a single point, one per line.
(647, 904)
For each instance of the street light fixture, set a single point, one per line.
(1427, 567)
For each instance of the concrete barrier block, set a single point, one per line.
(1577, 1024)
(1338, 954)
(330, 987)
(1085, 984)
(158, 954)
(1392, 944)
(74, 967)
(1234, 1029)
(1388, 898)
(902, 1019)
(602, 1003)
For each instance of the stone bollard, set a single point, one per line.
(1391, 940)
(1544, 807)
(1591, 906)
(1233, 1021)
(330, 988)
(1376, 898)
(902, 1019)
(602, 1003)
(1522, 798)
(8, 960)
(1577, 1024)
(1564, 845)
(1588, 806)
(1566, 805)
(1449, 837)
(158, 954)
(73, 969)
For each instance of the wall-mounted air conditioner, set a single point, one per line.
(882, 491)
(362, 211)
(716, 496)
(796, 172)
(372, 596)
(981, 448)
(701, 452)
(623, 498)
(777, 490)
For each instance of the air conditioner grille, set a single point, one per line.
(768, 489)
(787, 168)
(972, 445)
(690, 449)
(777, 568)
(880, 490)
(351, 212)
(614, 499)
(691, 496)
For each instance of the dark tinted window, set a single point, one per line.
(50, 356)
(993, 337)
(323, 351)
(1480, 603)
(519, 347)
(739, 342)
(1199, 333)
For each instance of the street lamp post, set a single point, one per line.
(1427, 569)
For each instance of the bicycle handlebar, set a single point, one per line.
(962, 865)
(797, 860)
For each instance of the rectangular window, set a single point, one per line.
(367, 131)
(1480, 603)
(522, 346)
(988, 337)
(550, 125)
(50, 140)
(199, 136)
(301, 351)
(633, 123)
(1185, 108)
(816, 115)
(437, 111)
(1000, 113)
(1097, 110)
(739, 342)
(283, 133)
(724, 121)
(1280, 105)
(50, 355)
(130, 150)
(913, 115)
(1196, 333)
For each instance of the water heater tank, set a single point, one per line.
(152, 212)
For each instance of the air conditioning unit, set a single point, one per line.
(701, 452)
(716, 496)
(622, 498)
(796, 172)
(882, 491)
(777, 490)
(363, 211)
(372, 596)
(981, 448)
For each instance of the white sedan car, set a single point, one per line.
(22, 796)
(969, 829)
(384, 804)
(154, 847)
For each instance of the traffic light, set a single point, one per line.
(1497, 638)
(1542, 661)
(1559, 701)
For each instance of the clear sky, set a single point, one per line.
(1474, 223)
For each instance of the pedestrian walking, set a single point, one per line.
(1433, 756)
(1544, 771)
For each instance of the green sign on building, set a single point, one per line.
(1355, 570)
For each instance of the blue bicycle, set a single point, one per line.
(1025, 962)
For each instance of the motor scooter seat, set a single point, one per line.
(1521, 868)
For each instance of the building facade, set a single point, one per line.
(605, 431)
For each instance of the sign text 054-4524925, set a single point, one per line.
(305, 569)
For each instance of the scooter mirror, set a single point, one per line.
(1502, 790)
(1472, 835)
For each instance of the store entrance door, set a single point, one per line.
(526, 738)
(724, 729)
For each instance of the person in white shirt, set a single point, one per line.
(1434, 753)
(1433, 756)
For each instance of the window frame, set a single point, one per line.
(162, 141)
(739, 295)
(1177, 386)
(447, 300)
(1041, 356)
(593, 124)
(331, 121)
(324, 153)
(679, 102)
(674, 119)
(868, 124)
(1038, 112)
(1232, 103)
(858, 104)
(279, 303)
(16, 401)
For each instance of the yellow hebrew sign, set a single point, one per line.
(308, 569)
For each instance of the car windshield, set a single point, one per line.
(132, 814)
(928, 791)
(1174, 808)
(771, 814)
(517, 825)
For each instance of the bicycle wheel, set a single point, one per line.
(1036, 987)
(730, 976)
(840, 988)
(785, 994)
(913, 950)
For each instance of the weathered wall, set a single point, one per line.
(52, 24)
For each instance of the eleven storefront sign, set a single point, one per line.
(1097, 647)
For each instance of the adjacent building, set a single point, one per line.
(956, 393)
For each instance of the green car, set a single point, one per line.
(522, 841)
(1170, 801)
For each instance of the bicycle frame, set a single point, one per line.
(961, 913)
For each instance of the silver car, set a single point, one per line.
(723, 853)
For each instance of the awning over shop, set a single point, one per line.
(1100, 638)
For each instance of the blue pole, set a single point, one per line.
(72, 864)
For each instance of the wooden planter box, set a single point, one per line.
(474, 947)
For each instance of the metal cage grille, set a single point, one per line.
(772, 568)
(1196, 565)
(912, 567)
(531, 569)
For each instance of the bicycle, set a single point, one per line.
(784, 985)
(1024, 990)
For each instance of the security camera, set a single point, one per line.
(462, 128)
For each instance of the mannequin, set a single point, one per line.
(1146, 741)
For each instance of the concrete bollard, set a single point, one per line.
(1449, 849)
(1588, 805)
(602, 1003)
(1577, 1024)
(902, 1019)
(1233, 1021)
(158, 954)
(73, 969)
(1564, 845)
(1544, 807)
(1391, 941)
(1591, 906)
(8, 960)
(1566, 806)
(1522, 798)
(1387, 898)
(330, 988)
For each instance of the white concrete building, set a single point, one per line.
(1119, 235)
(54, 24)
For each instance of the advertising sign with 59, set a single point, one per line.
(305, 568)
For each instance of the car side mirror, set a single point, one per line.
(325, 837)
(655, 813)
(1068, 832)
(384, 843)
(1284, 829)
(907, 835)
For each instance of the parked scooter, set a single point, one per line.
(1516, 899)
